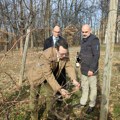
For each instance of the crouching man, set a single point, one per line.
(43, 81)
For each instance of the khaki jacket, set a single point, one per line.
(47, 63)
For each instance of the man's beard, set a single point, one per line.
(84, 36)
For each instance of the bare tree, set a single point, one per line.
(118, 25)
(104, 6)
(47, 21)
(110, 40)
(17, 15)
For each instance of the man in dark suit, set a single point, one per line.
(50, 42)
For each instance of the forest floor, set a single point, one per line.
(14, 106)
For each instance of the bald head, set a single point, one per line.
(86, 31)
(56, 31)
(56, 28)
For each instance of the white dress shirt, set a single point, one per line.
(55, 39)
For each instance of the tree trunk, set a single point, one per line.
(21, 26)
(110, 40)
(24, 57)
(31, 38)
(47, 19)
(32, 20)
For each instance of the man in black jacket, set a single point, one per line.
(89, 55)
(49, 42)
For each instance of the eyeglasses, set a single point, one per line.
(57, 31)
(84, 31)
(63, 54)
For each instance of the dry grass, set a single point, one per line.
(9, 77)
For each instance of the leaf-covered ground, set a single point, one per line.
(14, 102)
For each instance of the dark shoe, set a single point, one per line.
(89, 110)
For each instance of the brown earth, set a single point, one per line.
(10, 65)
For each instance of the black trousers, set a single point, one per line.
(62, 78)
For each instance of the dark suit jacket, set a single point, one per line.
(49, 42)
(62, 78)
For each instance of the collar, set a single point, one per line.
(55, 39)
(85, 39)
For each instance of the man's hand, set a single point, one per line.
(64, 93)
(90, 73)
(76, 83)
